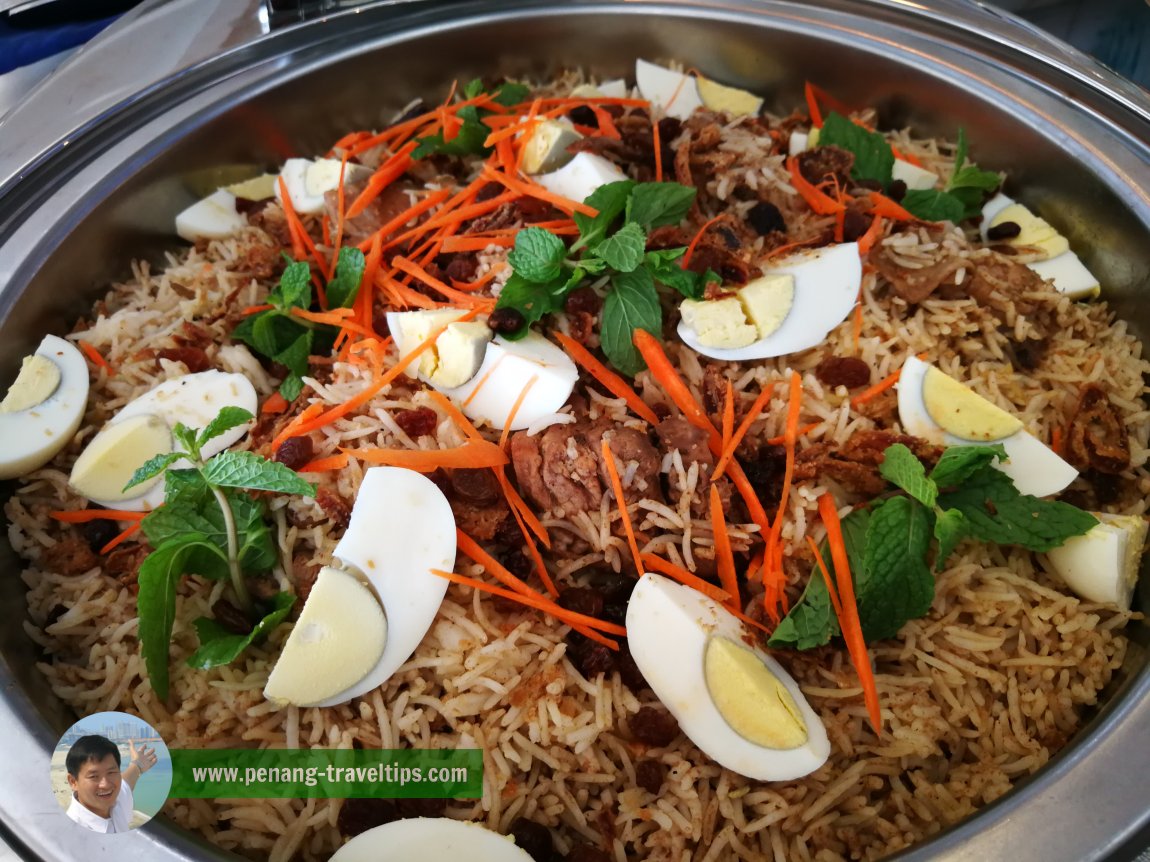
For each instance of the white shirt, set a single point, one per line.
(120, 821)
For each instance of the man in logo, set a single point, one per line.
(101, 793)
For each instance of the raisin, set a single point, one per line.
(766, 218)
(477, 487)
(506, 321)
(379, 321)
(655, 727)
(99, 533)
(462, 267)
(488, 192)
(518, 564)
(766, 472)
(1006, 230)
(587, 853)
(582, 116)
(294, 452)
(55, 614)
(231, 617)
(896, 191)
(193, 358)
(855, 224)
(729, 237)
(421, 807)
(583, 299)
(848, 371)
(533, 838)
(628, 670)
(358, 815)
(582, 600)
(589, 657)
(418, 422)
(649, 775)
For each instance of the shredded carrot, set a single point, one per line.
(83, 516)
(832, 590)
(410, 214)
(783, 250)
(465, 299)
(514, 411)
(868, 239)
(656, 563)
(840, 224)
(121, 537)
(275, 403)
(817, 200)
(906, 157)
(872, 392)
(475, 243)
(481, 282)
(472, 454)
(741, 432)
(774, 579)
(728, 426)
(621, 502)
(813, 105)
(884, 206)
(849, 621)
(1056, 440)
(577, 621)
(532, 189)
(611, 381)
(532, 549)
(802, 432)
(404, 297)
(666, 375)
(256, 309)
(685, 262)
(607, 127)
(724, 557)
(658, 145)
(385, 175)
(94, 356)
(301, 241)
(323, 465)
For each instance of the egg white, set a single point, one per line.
(433, 839)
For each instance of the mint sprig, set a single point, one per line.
(471, 134)
(889, 541)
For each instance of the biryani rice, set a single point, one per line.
(977, 694)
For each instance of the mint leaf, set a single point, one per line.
(508, 94)
(933, 205)
(159, 578)
(153, 467)
(664, 267)
(218, 646)
(186, 437)
(958, 463)
(896, 584)
(656, 204)
(632, 303)
(294, 288)
(610, 200)
(227, 419)
(468, 140)
(249, 471)
(996, 512)
(623, 251)
(538, 255)
(969, 184)
(344, 284)
(530, 299)
(950, 528)
(874, 159)
(900, 467)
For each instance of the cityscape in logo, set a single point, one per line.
(120, 731)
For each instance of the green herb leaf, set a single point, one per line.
(623, 250)
(996, 512)
(538, 255)
(508, 94)
(933, 205)
(653, 205)
(344, 284)
(610, 200)
(874, 159)
(530, 299)
(664, 266)
(159, 578)
(227, 419)
(900, 467)
(249, 471)
(897, 584)
(958, 463)
(186, 437)
(218, 646)
(468, 140)
(950, 528)
(632, 303)
(153, 467)
(968, 183)
(294, 289)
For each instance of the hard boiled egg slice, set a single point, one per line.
(914, 176)
(43, 407)
(581, 176)
(193, 399)
(677, 94)
(936, 407)
(825, 288)
(731, 699)
(308, 180)
(401, 528)
(1102, 565)
(454, 357)
(546, 149)
(215, 217)
(614, 89)
(337, 640)
(435, 839)
(720, 97)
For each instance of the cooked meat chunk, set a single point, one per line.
(722, 248)
(1096, 438)
(821, 164)
(914, 284)
(855, 464)
(335, 507)
(304, 574)
(557, 469)
(633, 447)
(392, 201)
(69, 556)
(691, 443)
(848, 371)
(997, 279)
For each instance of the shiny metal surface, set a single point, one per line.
(76, 203)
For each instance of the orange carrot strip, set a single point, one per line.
(481, 282)
(256, 309)
(607, 128)
(83, 516)
(341, 217)
(511, 414)
(532, 549)
(850, 622)
(475, 243)
(774, 579)
(724, 557)
(385, 175)
(370, 391)
(782, 438)
(94, 356)
(410, 214)
(813, 105)
(666, 375)
(569, 617)
(621, 501)
(906, 157)
(817, 200)
(404, 296)
(832, 590)
(415, 270)
(120, 538)
(656, 563)
(695, 241)
(473, 453)
(1056, 440)
(741, 432)
(275, 403)
(868, 239)
(658, 145)
(532, 189)
(728, 426)
(339, 317)
(322, 465)
(879, 388)
(611, 381)
(299, 232)
(455, 414)
(884, 206)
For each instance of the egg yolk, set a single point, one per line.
(962, 412)
(37, 380)
(750, 698)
